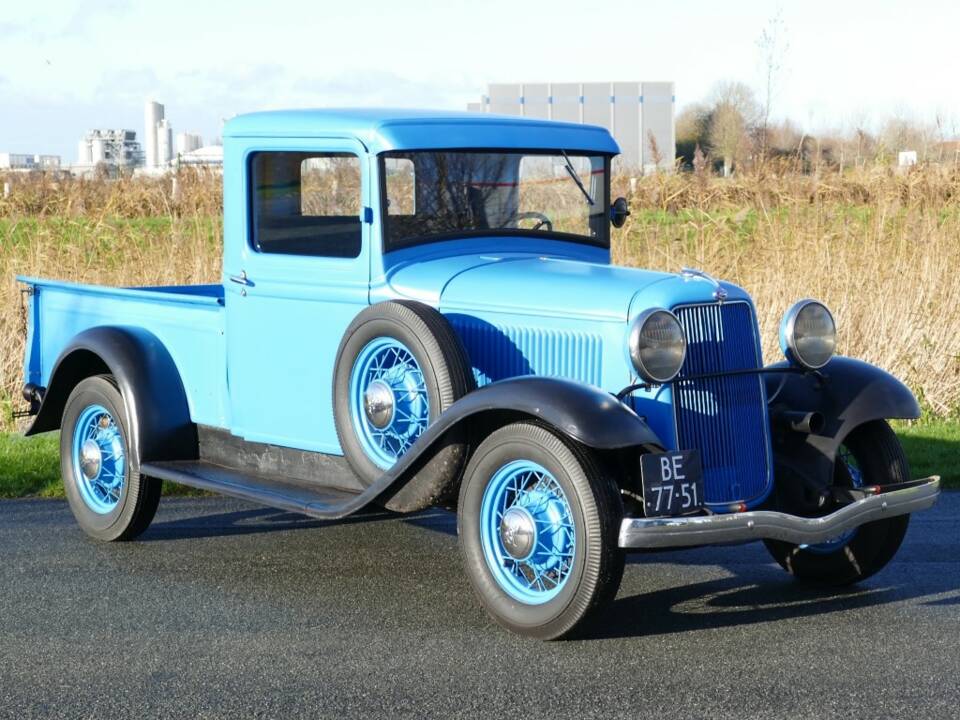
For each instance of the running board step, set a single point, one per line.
(281, 492)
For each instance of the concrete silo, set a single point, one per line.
(152, 115)
(164, 143)
(98, 149)
(84, 152)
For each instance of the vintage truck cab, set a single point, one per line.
(418, 308)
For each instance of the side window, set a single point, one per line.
(306, 203)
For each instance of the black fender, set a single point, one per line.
(583, 413)
(846, 393)
(157, 411)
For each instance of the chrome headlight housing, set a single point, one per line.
(808, 334)
(658, 345)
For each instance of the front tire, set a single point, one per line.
(870, 455)
(538, 522)
(101, 475)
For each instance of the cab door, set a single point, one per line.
(292, 285)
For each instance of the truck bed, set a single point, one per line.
(188, 320)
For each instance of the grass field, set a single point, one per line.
(30, 467)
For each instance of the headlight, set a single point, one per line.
(658, 345)
(808, 334)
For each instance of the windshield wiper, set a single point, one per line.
(576, 178)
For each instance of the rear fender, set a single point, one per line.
(157, 411)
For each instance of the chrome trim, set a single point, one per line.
(719, 293)
(787, 333)
(633, 345)
(378, 404)
(518, 533)
(669, 532)
(91, 458)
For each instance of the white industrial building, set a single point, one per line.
(113, 148)
(27, 162)
(162, 149)
(639, 115)
(209, 156)
(188, 142)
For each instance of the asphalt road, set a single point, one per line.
(224, 609)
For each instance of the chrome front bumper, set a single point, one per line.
(670, 532)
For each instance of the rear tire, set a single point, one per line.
(101, 476)
(879, 460)
(538, 521)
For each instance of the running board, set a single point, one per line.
(328, 503)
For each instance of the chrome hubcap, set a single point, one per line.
(378, 402)
(518, 533)
(90, 459)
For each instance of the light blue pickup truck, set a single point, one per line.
(419, 309)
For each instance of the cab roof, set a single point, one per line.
(382, 130)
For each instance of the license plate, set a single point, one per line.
(672, 483)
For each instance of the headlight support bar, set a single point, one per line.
(820, 377)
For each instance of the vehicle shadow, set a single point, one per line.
(249, 522)
(765, 595)
(727, 602)
(493, 353)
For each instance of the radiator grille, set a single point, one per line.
(725, 418)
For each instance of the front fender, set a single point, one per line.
(583, 413)
(850, 393)
(157, 411)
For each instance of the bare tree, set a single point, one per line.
(773, 47)
(733, 114)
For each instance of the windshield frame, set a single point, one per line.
(390, 246)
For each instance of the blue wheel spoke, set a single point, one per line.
(531, 490)
(97, 439)
(388, 362)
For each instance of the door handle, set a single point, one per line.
(241, 279)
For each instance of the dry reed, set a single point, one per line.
(882, 249)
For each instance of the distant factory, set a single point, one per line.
(639, 115)
(114, 150)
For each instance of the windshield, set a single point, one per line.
(455, 194)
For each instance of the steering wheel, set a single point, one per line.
(543, 220)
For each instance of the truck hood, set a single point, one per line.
(545, 286)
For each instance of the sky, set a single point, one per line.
(71, 65)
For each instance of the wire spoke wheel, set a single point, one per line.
(527, 531)
(108, 496)
(847, 473)
(871, 454)
(538, 518)
(389, 402)
(99, 458)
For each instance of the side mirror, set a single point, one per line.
(619, 212)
